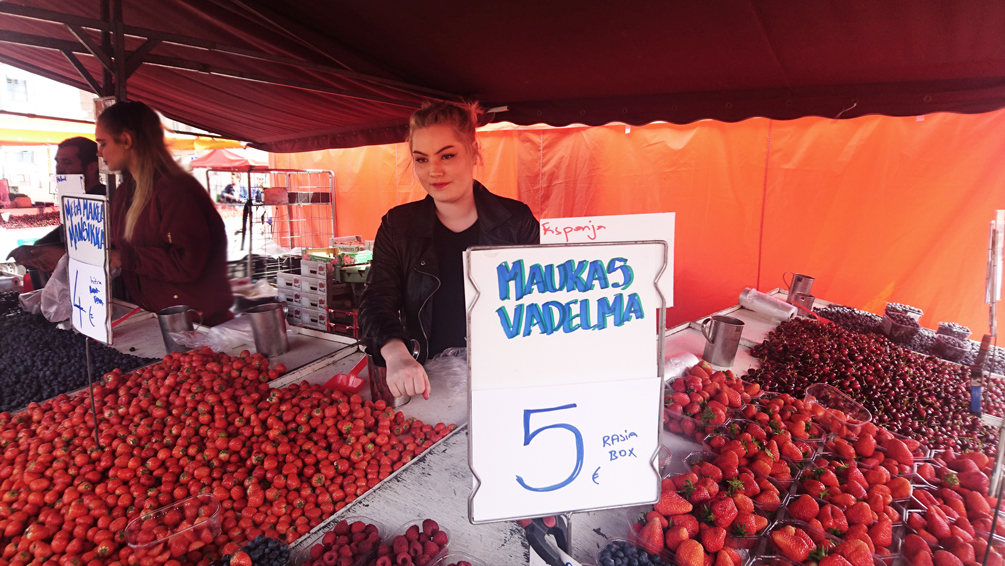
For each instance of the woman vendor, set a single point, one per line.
(167, 236)
(415, 287)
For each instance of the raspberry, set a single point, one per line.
(430, 527)
(440, 538)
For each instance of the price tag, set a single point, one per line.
(85, 226)
(566, 378)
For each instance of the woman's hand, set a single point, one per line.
(405, 376)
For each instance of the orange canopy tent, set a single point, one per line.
(876, 208)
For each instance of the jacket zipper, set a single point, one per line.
(424, 336)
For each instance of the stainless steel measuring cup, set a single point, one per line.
(175, 319)
(268, 325)
(722, 338)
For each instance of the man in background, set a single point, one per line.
(74, 156)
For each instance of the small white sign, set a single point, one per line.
(85, 224)
(89, 297)
(621, 228)
(565, 377)
(67, 185)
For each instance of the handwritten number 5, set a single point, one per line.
(528, 436)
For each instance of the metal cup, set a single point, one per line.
(805, 301)
(268, 324)
(379, 390)
(722, 336)
(800, 284)
(175, 319)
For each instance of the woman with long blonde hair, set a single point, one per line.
(167, 236)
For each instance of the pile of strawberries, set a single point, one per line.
(949, 523)
(760, 448)
(278, 461)
(710, 514)
(695, 404)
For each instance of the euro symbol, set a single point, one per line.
(595, 474)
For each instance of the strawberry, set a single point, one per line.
(964, 525)
(790, 451)
(882, 532)
(963, 551)
(897, 450)
(711, 485)
(713, 539)
(815, 488)
(791, 545)
(651, 535)
(979, 458)
(664, 523)
(834, 560)
(721, 512)
(804, 508)
(743, 503)
(748, 524)
(723, 559)
(690, 553)
(856, 552)
(913, 544)
(922, 559)
(936, 523)
(674, 536)
(862, 535)
(769, 500)
(976, 481)
(943, 558)
(680, 481)
(833, 520)
(927, 472)
(860, 513)
(865, 446)
(843, 449)
(672, 504)
(727, 463)
(750, 487)
(689, 522)
(699, 494)
(710, 470)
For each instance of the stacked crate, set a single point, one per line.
(317, 300)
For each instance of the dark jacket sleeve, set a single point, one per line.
(529, 231)
(383, 296)
(185, 233)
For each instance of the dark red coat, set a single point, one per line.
(178, 254)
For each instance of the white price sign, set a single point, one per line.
(67, 185)
(565, 364)
(86, 229)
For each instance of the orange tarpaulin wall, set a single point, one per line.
(876, 208)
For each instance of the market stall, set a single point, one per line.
(230, 436)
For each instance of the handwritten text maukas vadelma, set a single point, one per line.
(518, 281)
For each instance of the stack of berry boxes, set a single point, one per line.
(317, 300)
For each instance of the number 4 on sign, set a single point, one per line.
(528, 436)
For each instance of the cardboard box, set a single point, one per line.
(320, 269)
(290, 297)
(288, 281)
(314, 318)
(314, 301)
(293, 316)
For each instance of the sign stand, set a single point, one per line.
(566, 378)
(90, 388)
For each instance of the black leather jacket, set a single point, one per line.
(404, 273)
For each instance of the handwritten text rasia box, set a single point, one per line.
(564, 354)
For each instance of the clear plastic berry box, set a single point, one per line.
(306, 555)
(769, 555)
(664, 554)
(951, 348)
(172, 531)
(739, 426)
(403, 531)
(689, 428)
(457, 557)
(767, 510)
(835, 411)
